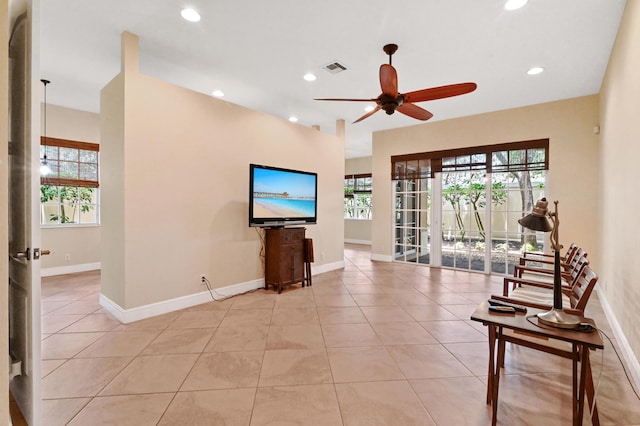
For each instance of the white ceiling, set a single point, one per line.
(258, 51)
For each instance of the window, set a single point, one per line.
(69, 194)
(357, 196)
(481, 193)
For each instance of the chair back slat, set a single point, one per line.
(582, 289)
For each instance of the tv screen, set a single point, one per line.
(280, 197)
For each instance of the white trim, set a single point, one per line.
(381, 257)
(71, 269)
(352, 241)
(327, 267)
(126, 316)
(631, 361)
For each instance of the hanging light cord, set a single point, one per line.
(45, 82)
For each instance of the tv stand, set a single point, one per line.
(284, 257)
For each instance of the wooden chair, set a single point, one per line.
(546, 258)
(567, 271)
(540, 294)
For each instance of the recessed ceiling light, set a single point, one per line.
(190, 15)
(218, 93)
(535, 70)
(293, 119)
(310, 77)
(369, 108)
(514, 4)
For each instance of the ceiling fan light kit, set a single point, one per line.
(390, 100)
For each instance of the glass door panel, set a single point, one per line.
(412, 221)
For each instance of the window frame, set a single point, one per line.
(355, 185)
(85, 171)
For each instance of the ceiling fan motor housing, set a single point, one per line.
(389, 103)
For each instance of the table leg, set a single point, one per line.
(584, 362)
(575, 356)
(595, 418)
(496, 376)
(490, 374)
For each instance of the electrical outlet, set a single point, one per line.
(203, 279)
(67, 256)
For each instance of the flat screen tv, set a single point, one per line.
(281, 197)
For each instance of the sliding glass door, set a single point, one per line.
(461, 211)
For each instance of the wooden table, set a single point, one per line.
(527, 325)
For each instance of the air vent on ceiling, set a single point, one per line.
(335, 67)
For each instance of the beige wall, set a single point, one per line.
(81, 243)
(620, 198)
(573, 161)
(357, 230)
(4, 213)
(180, 205)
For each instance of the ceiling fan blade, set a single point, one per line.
(369, 114)
(389, 80)
(344, 99)
(414, 111)
(439, 92)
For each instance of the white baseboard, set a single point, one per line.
(327, 267)
(361, 242)
(630, 359)
(71, 269)
(126, 316)
(381, 257)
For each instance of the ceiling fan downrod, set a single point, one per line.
(390, 49)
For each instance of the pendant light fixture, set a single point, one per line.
(44, 166)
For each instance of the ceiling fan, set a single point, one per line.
(390, 100)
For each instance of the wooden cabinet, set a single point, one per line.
(284, 257)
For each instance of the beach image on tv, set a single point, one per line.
(278, 194)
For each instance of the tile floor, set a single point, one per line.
(373, 344)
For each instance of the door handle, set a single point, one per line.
(22, 255)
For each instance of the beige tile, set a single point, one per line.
(364, 289)
(191, 340)
(93, 322)
(295, 367)
(341, 335)
(379, 299)
(52, 323)
(296, 405)
(81, 377)
(58, 412)
(463, 312)
(79, 307)
(66, 345)
(403, 333)
(49, 365)
(381, 403)
(229, 407)
(259, 300)
(198, 319)
(294, 337)
(237, 317)
(335, 300)
(453, 332)
(238, 338)
(295, 301)
(125, 410)
(119, 343)
(474, 356)
(362, 364)
(47, 307)
(152, 374)
(377, 314)
(454, 401)
(430, 313)
(159, 322)
(427, 361)
(294, 315)
(341, 315)
(224, 370)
